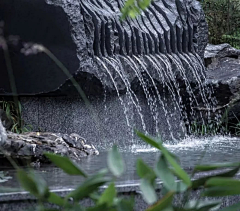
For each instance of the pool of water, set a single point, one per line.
(191, 151)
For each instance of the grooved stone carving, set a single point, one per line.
(87, 35)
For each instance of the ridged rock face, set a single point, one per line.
(91, 41)
(166, 26)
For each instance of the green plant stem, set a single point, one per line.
(68, 74)
(11, 78)
(74, 82)
(10, 73)
(13, 163)
(13, 88)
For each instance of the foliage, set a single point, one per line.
(13, 112)
(174, 181)
(223, 126)
(90, 188)
(132, 8)
(223, 17)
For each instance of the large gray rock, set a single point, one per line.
(131, 71)
(214, 53)
(87, 35)
(224, 77)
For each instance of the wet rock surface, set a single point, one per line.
(215, 55)
(31, 146)
(223, 74)
(93, 44)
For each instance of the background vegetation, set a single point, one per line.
(223, 17)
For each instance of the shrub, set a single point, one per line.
(174, 181)
(223, 17)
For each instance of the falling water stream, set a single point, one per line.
(170, 69)
(151, 77)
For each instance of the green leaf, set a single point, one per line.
(108, 195)
(148, 191)
(94, 196)
(176, 167)
(98, 207)
(164, 203)
(223, 182)
(200, 205)
(126, 205)
(164, 173)
(215, 166)
(33, 183)
(41, 184)
(89, 186)
(143, 170)
(126, 9)
(181, 187)
(148, 140)
(27, 182)
(65, 164)
(115, 162)
(132, 13)
(233, 207)
(222, 191)
(200, 182)
(143, 4)
(56, 199)
(75, 207)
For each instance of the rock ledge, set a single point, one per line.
(31, 146)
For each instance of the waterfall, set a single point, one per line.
(145, 73)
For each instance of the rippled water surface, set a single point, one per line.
(191, 151)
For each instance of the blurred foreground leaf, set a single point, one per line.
(144, 171)
(222, 187)
(215, 166)
(148, 191)
(171, 160)
(89, 186)
(202, 205)
(126, 204)
(108, 195)
(115, 162)
(65, 164)
(200, 182)
(33, 183)
(164, 204)
(165, 174)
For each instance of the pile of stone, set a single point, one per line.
(31, 145)
(223, 74)
(216, 55)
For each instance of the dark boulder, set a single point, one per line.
(215, 54)
(223, 76)
(86, 37)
